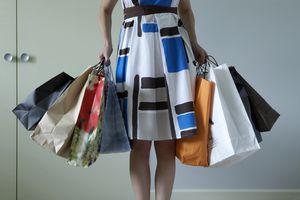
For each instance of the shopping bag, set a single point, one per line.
(32, 109)
(87, 131)
(262, 114)
(194, 150)
(114, 137)
(245, 99)
(244, 96)
(54, 130)
(232, 135)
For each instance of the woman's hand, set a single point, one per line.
(199, 53)
(105, 23)
(106, 53)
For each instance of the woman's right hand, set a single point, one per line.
(106, 53)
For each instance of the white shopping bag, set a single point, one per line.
(232, 135)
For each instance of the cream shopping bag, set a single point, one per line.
(55, 129)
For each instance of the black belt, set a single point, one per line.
(146, 10)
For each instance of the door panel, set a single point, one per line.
(62, 35)
(8, 100)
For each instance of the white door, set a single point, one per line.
(62, 35)
(7, 99)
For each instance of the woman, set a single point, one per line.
(155, 75)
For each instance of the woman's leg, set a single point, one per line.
(139, 169)
(165, 170)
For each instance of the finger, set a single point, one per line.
(204, 60)
(198, 60)
(106, 61)
(101, 56)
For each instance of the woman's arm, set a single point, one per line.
(187, 16)
(105, 23)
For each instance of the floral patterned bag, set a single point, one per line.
(87, 132)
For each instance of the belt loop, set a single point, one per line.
(139, 26)
(136, 3)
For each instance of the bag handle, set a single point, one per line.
(99, 67)
(109, 73)
(202, 70)
(212, 60)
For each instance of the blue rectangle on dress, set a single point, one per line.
(121, 69)
(156, 2)
(149, 27)
(186, 120)
(175, 54)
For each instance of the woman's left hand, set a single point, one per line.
(199, 53)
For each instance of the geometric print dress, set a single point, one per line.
(155, 74)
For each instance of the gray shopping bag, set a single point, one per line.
(114, 138)
(32, 109)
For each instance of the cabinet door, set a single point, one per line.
(62, 35)
(8, 100)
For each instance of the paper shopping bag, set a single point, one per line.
(114, 137)
(194, 150)
(54, 130)
(32, 109)
(232, 135)
(244, 96)
(87, 131)
(245, 99)
(263, 115)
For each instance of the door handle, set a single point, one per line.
(25, 57)
(8, 57)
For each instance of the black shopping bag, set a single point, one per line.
(32, 109)
(262, 114)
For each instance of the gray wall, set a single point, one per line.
(260, 38)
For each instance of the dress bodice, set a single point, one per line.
(168, 3)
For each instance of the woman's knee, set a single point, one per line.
(165, 149)
(141, 147)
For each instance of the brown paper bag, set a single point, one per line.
(54, 131)
(194, 150)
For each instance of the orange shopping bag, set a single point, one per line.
(194, 150)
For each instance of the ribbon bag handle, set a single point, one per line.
(203, 70)
(103, 69)
(99, 68)
(108, 72)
